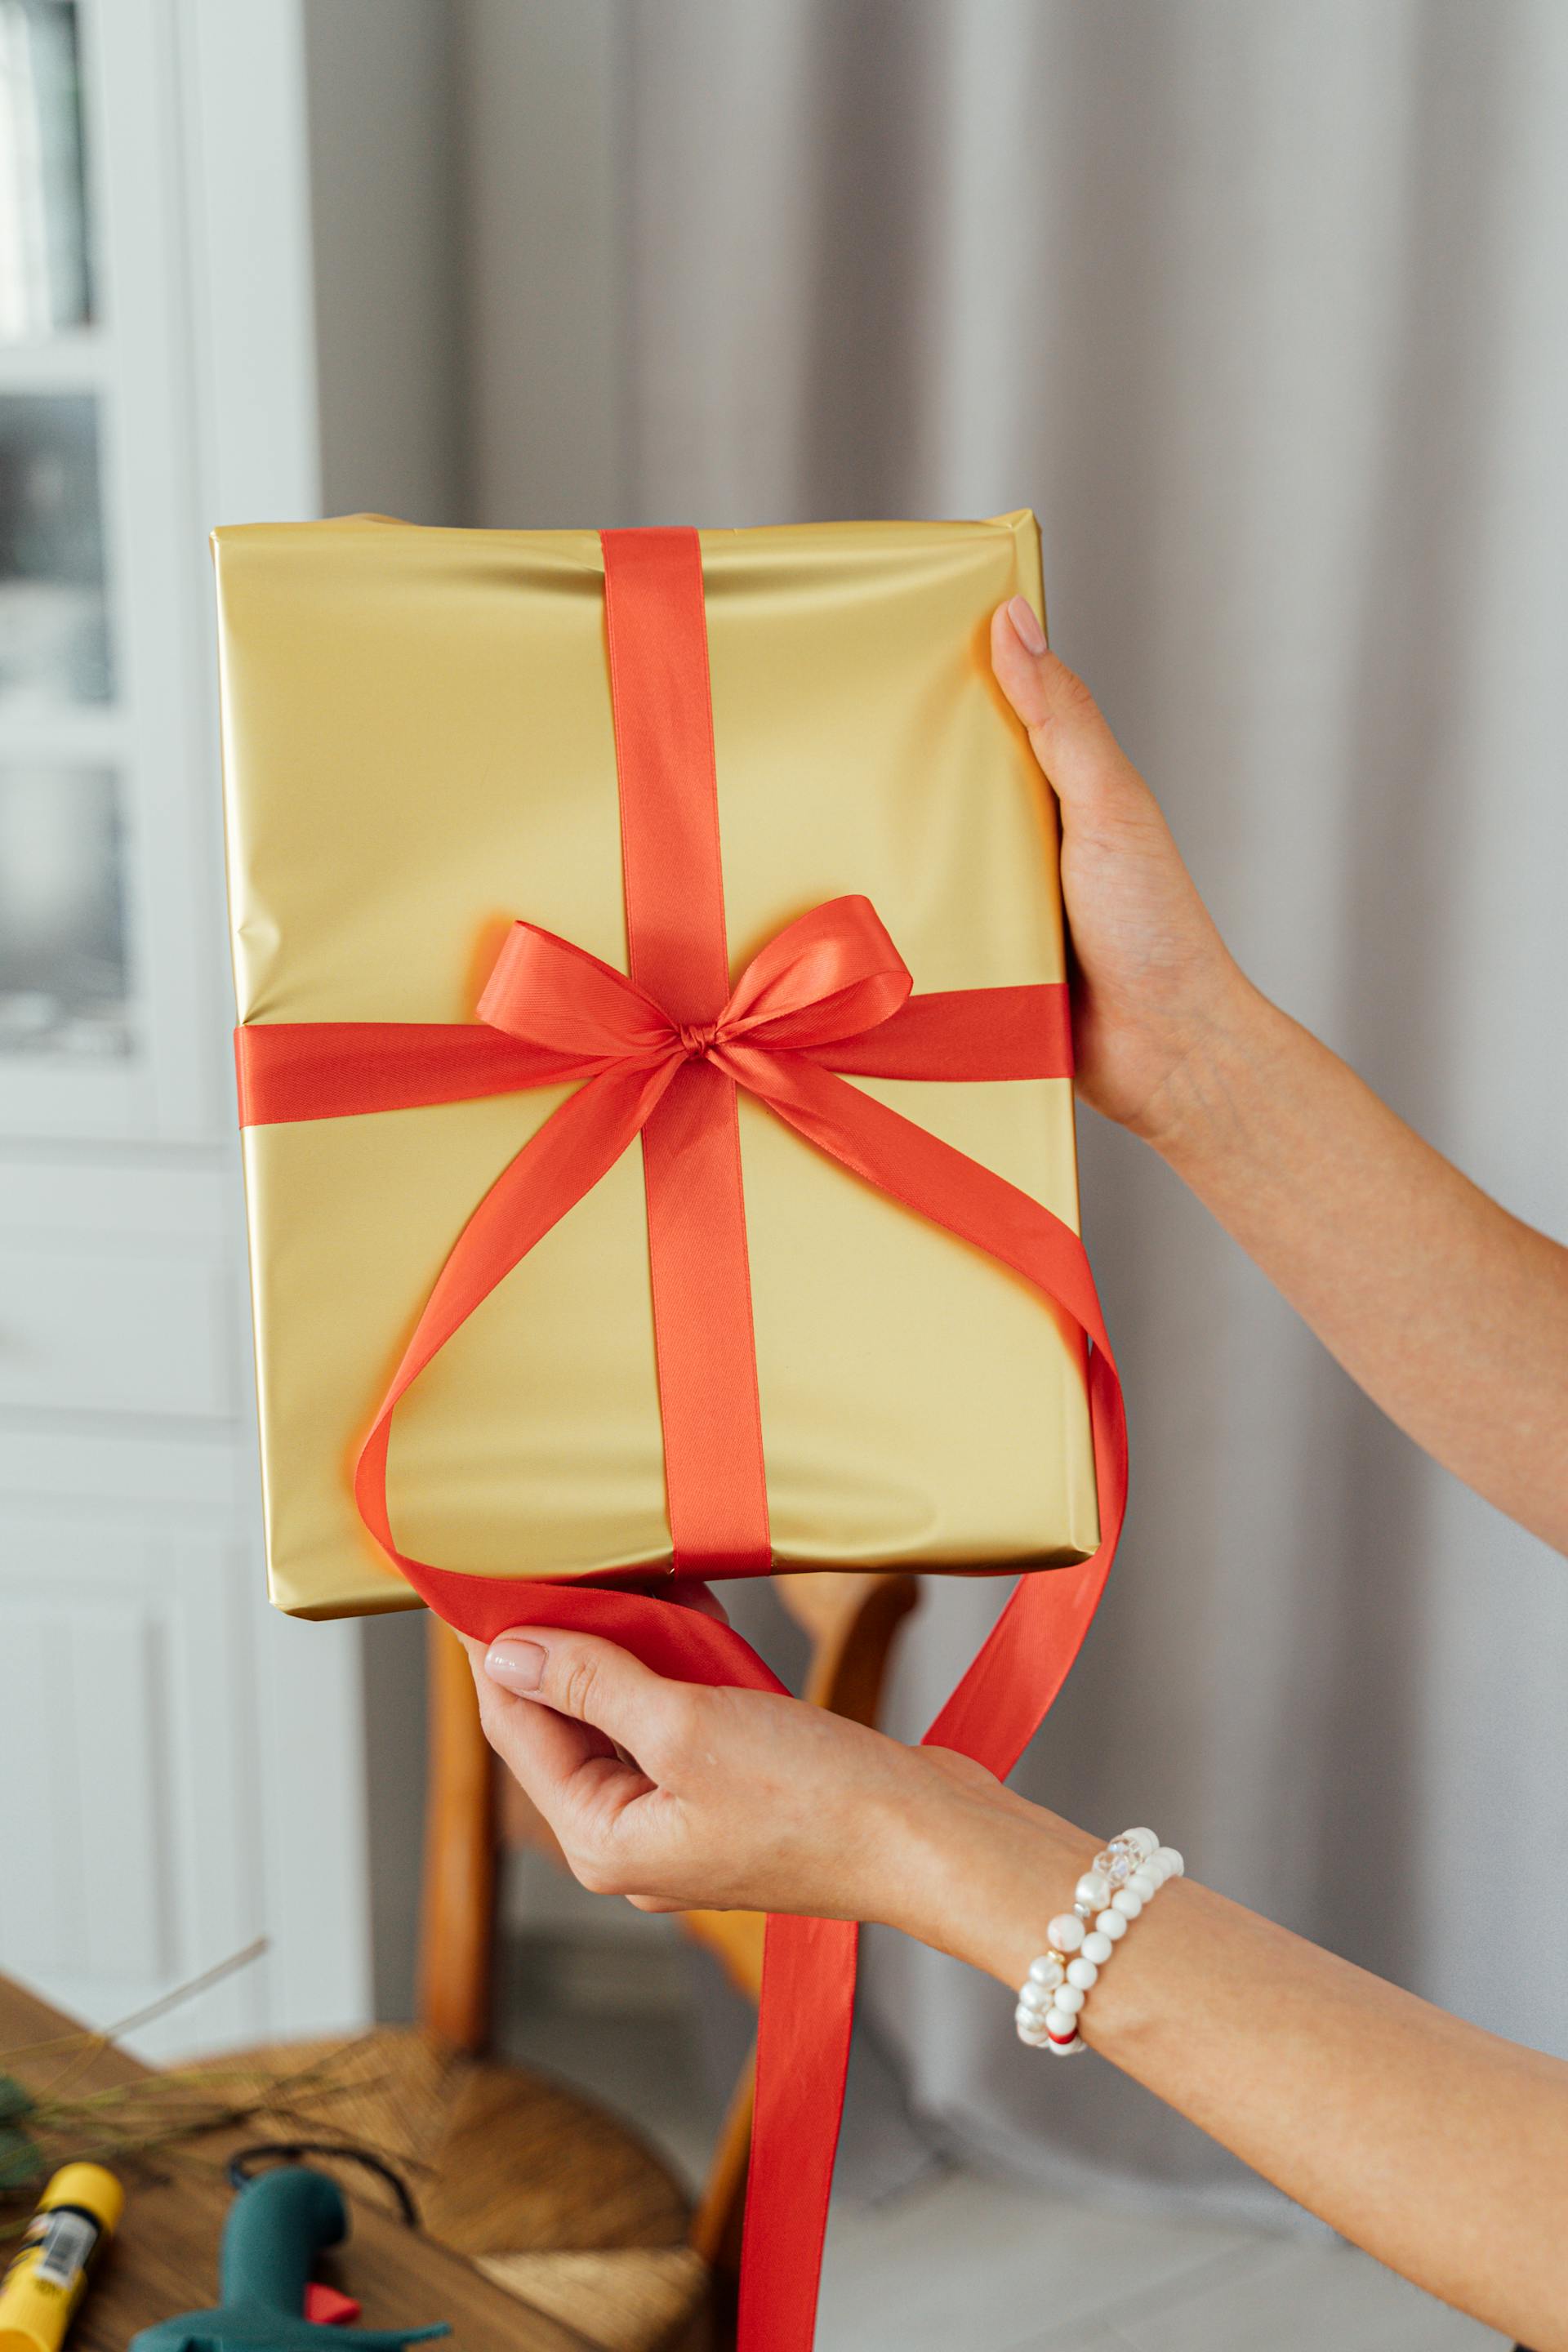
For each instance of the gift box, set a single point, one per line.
(546, 845)
(442, 766)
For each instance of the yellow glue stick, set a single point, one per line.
(77, 2216)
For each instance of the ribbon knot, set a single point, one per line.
(831, 974)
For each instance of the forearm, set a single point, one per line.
(1450, 1313)
(1438, 2148)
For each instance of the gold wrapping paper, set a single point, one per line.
(417, 749)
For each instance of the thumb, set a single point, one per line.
(1070, 737)
(579, 1675)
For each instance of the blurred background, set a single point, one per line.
(1261, 305)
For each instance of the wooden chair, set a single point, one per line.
(851, 1618)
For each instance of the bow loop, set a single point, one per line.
(543, 989)
(832, 974)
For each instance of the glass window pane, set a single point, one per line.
(44, 274)
(63, 986)
(54, 629)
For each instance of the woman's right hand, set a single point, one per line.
(1155, 985)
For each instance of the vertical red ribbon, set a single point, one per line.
(655, 623)
(660, 690)
(717, 1493)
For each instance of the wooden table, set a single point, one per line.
(645, 2294)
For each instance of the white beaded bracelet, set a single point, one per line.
(1127, 1873)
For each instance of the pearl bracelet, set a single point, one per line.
(1129, 1872)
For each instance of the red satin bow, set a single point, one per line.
(661, 1054)
(831, 974)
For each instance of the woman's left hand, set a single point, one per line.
(678, 1796)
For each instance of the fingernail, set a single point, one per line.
(1031, 637)
(516, 1665)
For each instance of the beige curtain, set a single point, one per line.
(1260, 304)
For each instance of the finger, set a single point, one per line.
(578, 1782)
(595, 1683)
(493, 1695)
(1067, 731)
(542, 1748)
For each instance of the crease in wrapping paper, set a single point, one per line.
(419, 748)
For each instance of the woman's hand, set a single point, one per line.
(1346, 1210)
(678, 1796)
(1156, 983)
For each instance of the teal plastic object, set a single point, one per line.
(277, 2227)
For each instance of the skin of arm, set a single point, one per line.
(1440, 2149)
(1450, 1313)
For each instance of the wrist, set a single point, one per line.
(979, 1872)
(1206, 1106)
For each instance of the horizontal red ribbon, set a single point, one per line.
(290, 1070)
(661, 1054)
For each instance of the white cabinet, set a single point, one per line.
(136, 1848)
(190, 197)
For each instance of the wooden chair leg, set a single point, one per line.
(853, 1647)
(716, 2225)
(456, 1938)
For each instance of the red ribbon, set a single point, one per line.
(661, 1054)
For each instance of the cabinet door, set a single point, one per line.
(131, 1866)
(184, 1769)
